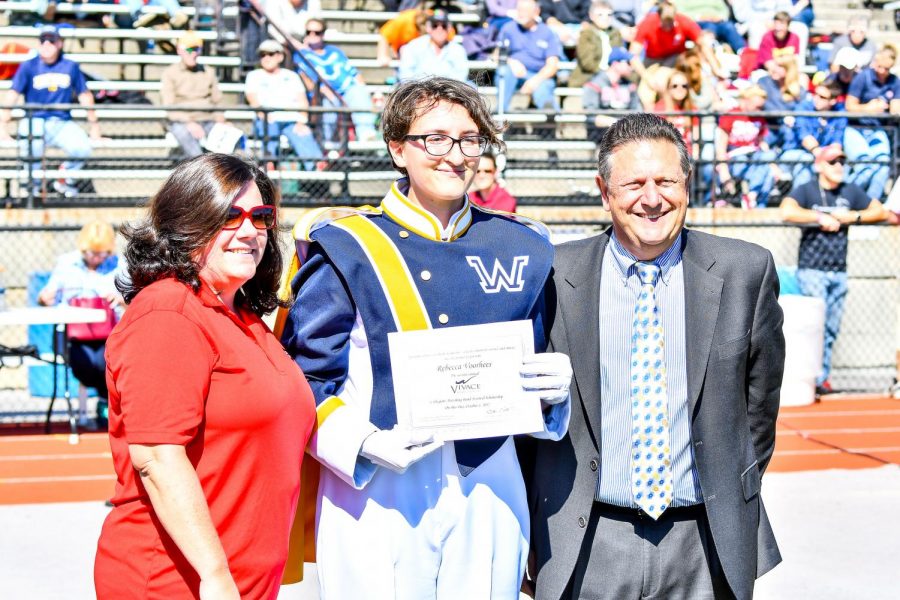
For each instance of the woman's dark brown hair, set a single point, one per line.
(414, 98)
(186, 213)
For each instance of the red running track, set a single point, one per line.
(849, 433)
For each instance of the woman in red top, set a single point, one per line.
(208, 416)
(486, 191)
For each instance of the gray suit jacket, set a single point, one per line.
(735, 351)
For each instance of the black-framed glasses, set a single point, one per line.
(314, 32)
(439, 144)
(262, 217)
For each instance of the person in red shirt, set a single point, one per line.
(208, 416)
(663, 35)
(778, 41)
(486, 191)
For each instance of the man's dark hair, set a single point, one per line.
(637, 127)
(414, 98)
(187, 213)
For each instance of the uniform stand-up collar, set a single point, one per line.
(421, 222)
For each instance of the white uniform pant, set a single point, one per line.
(426, 534)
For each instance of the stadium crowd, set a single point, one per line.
(743, 81)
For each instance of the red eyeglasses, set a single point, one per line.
(262, 217)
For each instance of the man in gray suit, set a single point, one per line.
(675, 338)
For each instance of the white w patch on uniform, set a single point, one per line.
(499, 278)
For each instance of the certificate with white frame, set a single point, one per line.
(463, 382)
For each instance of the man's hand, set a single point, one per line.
(396, 449)
(517, 68)
(828, 222)
(94, 131)
(196, 130)
(547, 375)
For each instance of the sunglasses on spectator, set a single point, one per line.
(840, 160)
(269, 53)
(194, 49)
(439, 24)
(314, 32)
(262, 217)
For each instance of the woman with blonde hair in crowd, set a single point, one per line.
(676, 97)
(88, 274)
(209, 417)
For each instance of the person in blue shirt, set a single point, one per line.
(50, 78)
(805, 137)
(534, 52)
(874, 91)
(317, 61)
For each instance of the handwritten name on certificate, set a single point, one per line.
(463, 382)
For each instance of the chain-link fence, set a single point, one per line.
(864, 355)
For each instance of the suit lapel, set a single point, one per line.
(702, 293)
(580, 303)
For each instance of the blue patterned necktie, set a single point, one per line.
(651, 463)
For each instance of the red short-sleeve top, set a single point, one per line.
(184, 369)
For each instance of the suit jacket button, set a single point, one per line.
(582, 521)
(594, 464)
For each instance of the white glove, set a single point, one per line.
(547, 375)
(396, 449)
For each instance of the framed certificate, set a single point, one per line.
(463, 382)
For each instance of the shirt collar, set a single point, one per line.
(625, 262)
(421, 222)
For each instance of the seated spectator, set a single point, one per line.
(847, 63)
(676, 97)
(486, 190)
(402, 29)
(611, 89)
(874, 91)
(809, 135)
(785, 86)
(834, 205)
(595, 42)
(713, 16)
(175, 15)
(191, 85)
(433, 54)
(565, 17)
(50, 78)
(855, 38)
(533, 58)
(291, 15)
(88, 272)
(662, 36)
(742, 153)
(755, 18)
(778, 42)
(704, 92)
(271, 86)
(328, 63)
